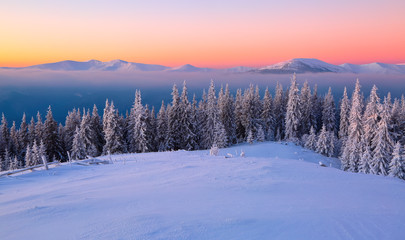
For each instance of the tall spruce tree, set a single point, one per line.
(329, 112)
(50, 137)
(293, 115)
(382, 142)
(353, 148)
(371, 117)
(397, 164)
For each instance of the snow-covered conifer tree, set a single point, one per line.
(161, 128)
(4, 136)
(226, 114)
(250, 137)
(324, 144)
(87, 136)
(72, 122)
(39, 128)
(267, 116)
(329, 112)
(353, 148)
(397, 164)
(344, 115)
(29, 161)
(308, 117)
(382, 142)
(279, 112)
(260, 134)
(173, 122)
(293, 114)
(31, 131)
(50, 137)
(371, 117)
(23, 138)
(114, 140)
(239, 127)
(78, 147)
(365, 160)
(97, 127)
(311, 141)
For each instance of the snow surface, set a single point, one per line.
(277, 191)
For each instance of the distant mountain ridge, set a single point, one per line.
(296, 65)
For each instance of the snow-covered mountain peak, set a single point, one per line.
(301, 65)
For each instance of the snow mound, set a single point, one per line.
(276, 191)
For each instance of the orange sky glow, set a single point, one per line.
(203, 33)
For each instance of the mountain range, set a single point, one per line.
(296, 65)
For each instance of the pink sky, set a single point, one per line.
(203, 33)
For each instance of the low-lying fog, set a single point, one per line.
(30, 91)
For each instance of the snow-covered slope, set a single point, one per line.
(275, 192)
(381, 68)
(301, 65)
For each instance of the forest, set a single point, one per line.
(366, 134)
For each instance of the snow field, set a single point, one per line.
(277, 191)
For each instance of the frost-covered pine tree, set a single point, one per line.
(29, 161)
(97, 127)
(317, 109)
(306, 109)
(365, 160)
(138, 141)
(311, 141)
(371, 117)
(50, 136)
(6, 160)
(187, 131)
(41, 152)
(39, 128)
(279, 112)
(260, 134)
(161, 128)
(14, 143)
(226, 114)
(267, 116)
(78, 147)
(212, 119)
(173, 122)
(35, 154)
(382, 143)
(250, 138)
(4, 136)
(87, 135)
(396, 121)
(72, 122)
(329, 112)
(344, 115)
(353, 148)
(293, 114)
(397, 164)
(239, 127)
(113, 132)
(23, 138)
(324, 144)
(14, 164)
(31, 131)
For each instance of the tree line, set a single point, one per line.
(366, 134)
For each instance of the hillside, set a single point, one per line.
(275, 192)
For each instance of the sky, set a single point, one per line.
(205, 33)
